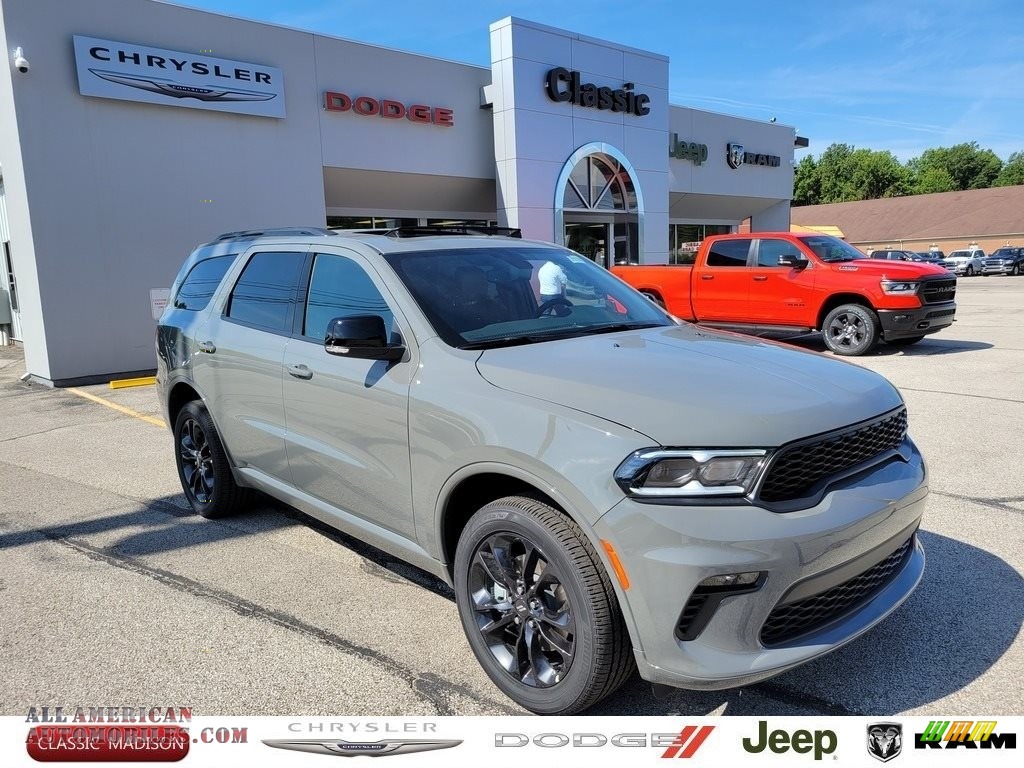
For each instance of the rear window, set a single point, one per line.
(201, 283)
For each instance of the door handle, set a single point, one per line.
(760, 278)
(300, 371)
(207, 346)
(707, 277)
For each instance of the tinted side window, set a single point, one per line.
(729, 253)
(265, 293)
(201, 283)
(340, 287)
(768, 252)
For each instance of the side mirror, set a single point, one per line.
(361, 336)
(794, 261)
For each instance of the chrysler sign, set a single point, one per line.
(131, 72)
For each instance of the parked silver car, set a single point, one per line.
(968, 261)
(606, 489)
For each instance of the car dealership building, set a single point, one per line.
(132, 130)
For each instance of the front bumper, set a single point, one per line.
(906, 323)
(668, 550)
(1001, 269)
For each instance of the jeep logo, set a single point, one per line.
(820, 742)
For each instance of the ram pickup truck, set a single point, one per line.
(782, 283)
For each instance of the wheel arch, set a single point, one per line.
(474, 486)
(837, 300)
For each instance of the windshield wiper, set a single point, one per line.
(563, 333)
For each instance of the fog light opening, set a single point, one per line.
(730, 580)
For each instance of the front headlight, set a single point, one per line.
(898, 287)
(694, 474)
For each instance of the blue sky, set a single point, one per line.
(898, 75)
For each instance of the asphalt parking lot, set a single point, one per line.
(113, 593)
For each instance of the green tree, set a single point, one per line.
(806, 182)
(1012, 173)
(968, 165)
(933, 180)
(875, 174)
(835, 173)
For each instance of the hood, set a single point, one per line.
(899, 270)
(692, 388)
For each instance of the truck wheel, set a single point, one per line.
(905, 342)
(654, 297)
(970, 271)
(203, 465)
(850, 329)
(1014, 270)
(538, 608)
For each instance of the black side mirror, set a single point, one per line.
(793, 260)
(361, 336)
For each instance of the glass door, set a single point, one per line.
(590, 239)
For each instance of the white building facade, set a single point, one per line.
(141, 129)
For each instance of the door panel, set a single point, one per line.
(781, 295)
(348, 428)
(721, 287)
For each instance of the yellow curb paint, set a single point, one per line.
(120, 408)
(144, 381)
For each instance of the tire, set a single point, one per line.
(654, 297)
(203, 467)
(850, 330)
(905, 342)
(969, 272)
(552, 638)
(1014, 270)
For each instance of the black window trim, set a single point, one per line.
(288, 332)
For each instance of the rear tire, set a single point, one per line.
(203, 466)
(850, 330)
(538, 608)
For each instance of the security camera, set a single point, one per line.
(20, 62)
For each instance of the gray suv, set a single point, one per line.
(606, 488)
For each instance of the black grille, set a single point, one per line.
(787, 622)
(690, 612)
(797, 468)
(937, 291)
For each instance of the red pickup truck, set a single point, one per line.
(782, 283)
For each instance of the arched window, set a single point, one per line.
(599, 182)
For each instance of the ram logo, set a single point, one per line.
(885, 740)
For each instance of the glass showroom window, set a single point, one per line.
(598, 182)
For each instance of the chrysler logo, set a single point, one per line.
(167, 87)
(369, 748)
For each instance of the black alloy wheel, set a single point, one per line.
(203, 466)
(850, 330)
(196, 462)
(538, 607)
(522, 609)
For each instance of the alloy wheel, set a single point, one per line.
(196, 461)
(522, 609)
(847, 330)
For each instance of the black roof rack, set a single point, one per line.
(252, 234)
(451, 230)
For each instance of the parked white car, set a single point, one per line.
(968, 261)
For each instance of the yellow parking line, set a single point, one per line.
(144, 381)
(127, 411)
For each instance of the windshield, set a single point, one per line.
(832, 249)
(477, 298)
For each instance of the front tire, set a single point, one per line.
(203, 466)
(850, 330)
(538, 608)
(970, 271)
(1014, 270)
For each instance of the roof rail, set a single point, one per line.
(452, 230)
(251, 234)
